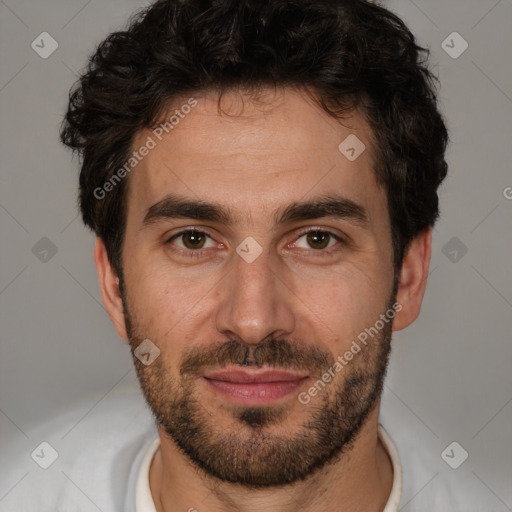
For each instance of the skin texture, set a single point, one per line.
(255, 158)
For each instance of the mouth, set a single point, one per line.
(256, 386)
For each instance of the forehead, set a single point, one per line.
(253, 155)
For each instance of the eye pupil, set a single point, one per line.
(194, 237)
(314, 237)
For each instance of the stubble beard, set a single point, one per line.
(252, 453)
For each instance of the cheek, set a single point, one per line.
(342, 301)
(166, 300)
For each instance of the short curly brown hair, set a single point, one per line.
(345, 53)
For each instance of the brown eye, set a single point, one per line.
(190, 239)
(193, 239)
(318, 239)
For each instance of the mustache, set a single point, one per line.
(272, 352)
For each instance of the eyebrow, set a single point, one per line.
(174, 206)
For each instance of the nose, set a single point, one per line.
(255, 303)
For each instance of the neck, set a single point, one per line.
(359, 480)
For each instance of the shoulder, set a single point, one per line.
(81, 459)
(429, 482)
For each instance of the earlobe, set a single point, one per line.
(109, 287)
(413, 279)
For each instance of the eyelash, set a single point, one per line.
(198, 253)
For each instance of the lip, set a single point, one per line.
(254, 387)
(259, 375)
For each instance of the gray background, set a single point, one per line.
(450, 371)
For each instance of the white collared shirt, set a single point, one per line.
(103, 455)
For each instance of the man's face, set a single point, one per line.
(221, 312)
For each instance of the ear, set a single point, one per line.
(109, 286)
(413, 280)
